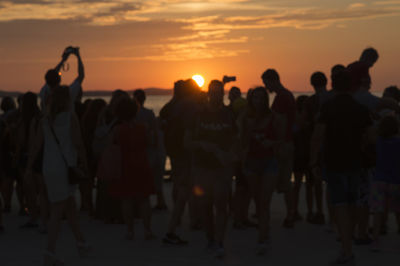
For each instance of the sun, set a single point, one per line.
(199, 80)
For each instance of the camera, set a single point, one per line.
(71, 50)
(227, 79)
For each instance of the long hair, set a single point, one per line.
(267, 109)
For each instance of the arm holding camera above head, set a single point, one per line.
(64, 58)
(81, 70)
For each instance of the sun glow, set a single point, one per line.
(199, 80)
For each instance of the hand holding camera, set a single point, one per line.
(227, 79)
(70, 50)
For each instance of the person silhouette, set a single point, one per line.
(284, 104)
(211, 138)
(146, 117)
(359, 70)
(341, 130)
(53, 78)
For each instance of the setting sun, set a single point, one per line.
(199, 80)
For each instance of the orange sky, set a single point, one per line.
(131, 44)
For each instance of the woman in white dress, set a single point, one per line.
(60, 136)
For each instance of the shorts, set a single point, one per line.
(212, 184)
(344, 187)
(285, 168)
(261, 166)
(385, 195)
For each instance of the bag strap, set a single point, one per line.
(58, 143)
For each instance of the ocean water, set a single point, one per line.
(156, 102)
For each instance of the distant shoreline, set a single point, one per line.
(97, 93)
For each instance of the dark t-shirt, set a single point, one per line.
(284, 103)
(346, 122)
(216, 127)
(358, 71)
(174, 117)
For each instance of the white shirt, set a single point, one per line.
(74, 90)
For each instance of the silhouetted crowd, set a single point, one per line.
(343, 144)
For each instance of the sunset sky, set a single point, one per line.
(151, 43)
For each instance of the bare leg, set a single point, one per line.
(310, 182)
(1, 211)
(31, 197)
(7, 191)
(332, 219)
(378, 218)
(289, 201)
(298, 178)
(182, 197)
(57, 211)
(318, 194)
(345, 221)
(127, 211)
(208, 217)
(19, 189)
(363, 222)
(44, 203)
(222, 192)
(72, 216)
(146, 215)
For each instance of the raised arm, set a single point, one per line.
(81, 70)
(64, 58)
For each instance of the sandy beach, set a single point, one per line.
(304, 245)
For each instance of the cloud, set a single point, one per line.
(389, 2)
(206, 26)
(113, 12)
(301, 18)
(357, 5)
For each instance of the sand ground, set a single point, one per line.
(304, 245)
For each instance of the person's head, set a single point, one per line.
(116, 96)
(53, 78)
(249, 93)
(59, 100)
(216, 93)
(392, 92)
(234, 93)
(139, 96)
(318, 81)
(259, 100)
(29, 106)
(341, 81)
(179, 89)
(126, 110)
(8, 104)
(388, 127)
(369, 56)
(336, 69)
(191, 88)
(91, 115)
(271, 80)
(300, 102)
